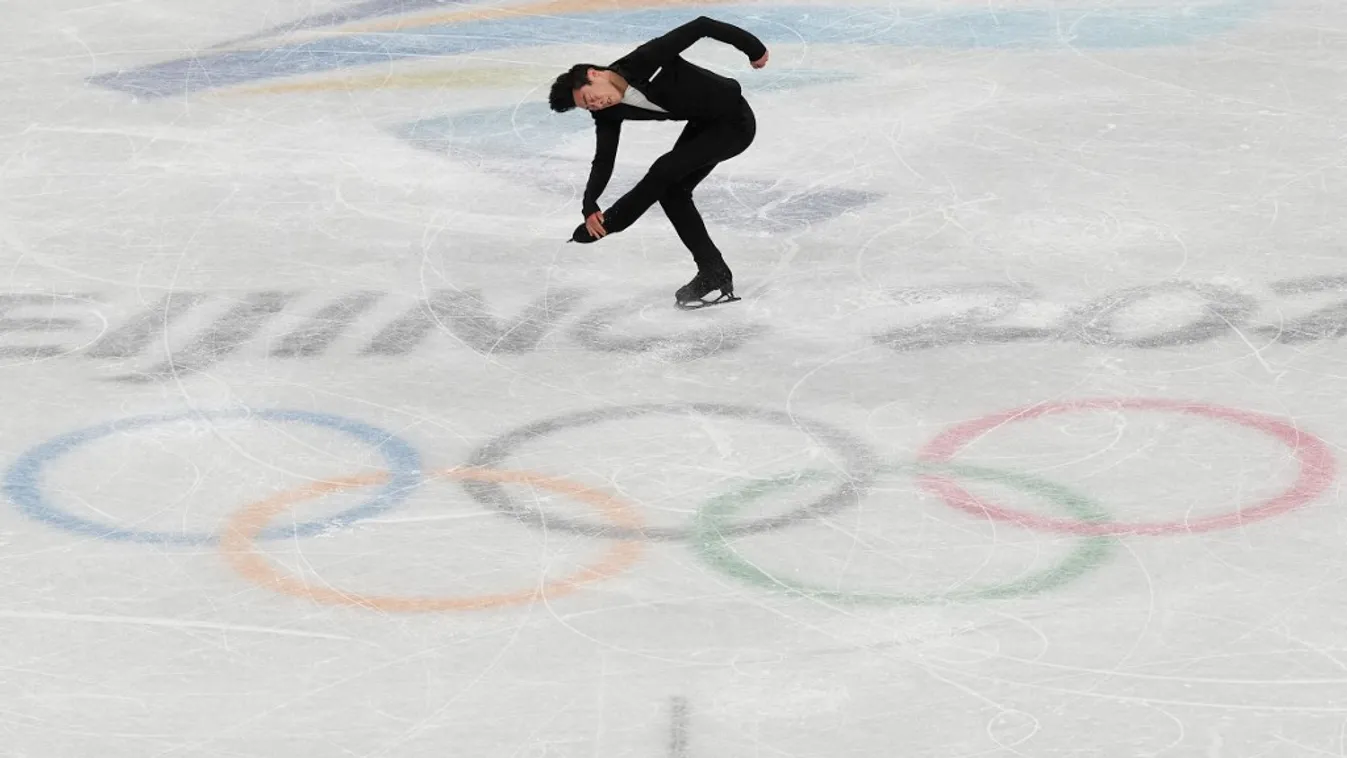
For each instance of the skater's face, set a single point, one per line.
(600, 93)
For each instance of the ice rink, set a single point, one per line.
(1025, 440)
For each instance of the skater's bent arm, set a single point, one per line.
(606, 133)
(663, 49)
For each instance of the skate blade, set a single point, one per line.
(696, 305)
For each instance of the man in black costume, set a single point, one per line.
(653, 82)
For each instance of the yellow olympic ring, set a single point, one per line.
(240, 549)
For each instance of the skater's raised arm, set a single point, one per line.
(661, 50)
(606, 134)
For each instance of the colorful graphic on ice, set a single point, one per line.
(335, 50)
(301, 51)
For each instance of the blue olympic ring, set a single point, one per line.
(23, 480)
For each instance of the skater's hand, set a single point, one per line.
(595, 224)
(759, 63)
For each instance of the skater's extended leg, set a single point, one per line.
(698, 147)
(667, 171)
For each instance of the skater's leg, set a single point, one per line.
(712, 271)
(627, 209)
(687, 221)
(701, 148)
(682, 211)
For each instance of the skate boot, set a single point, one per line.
(693, 294)
(610, 225)
(582, 235)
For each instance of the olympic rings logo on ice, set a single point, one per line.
(714, 529)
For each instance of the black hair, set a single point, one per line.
(562, 97)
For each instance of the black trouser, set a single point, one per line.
(674, 175)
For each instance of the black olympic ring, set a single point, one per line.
(859, 469)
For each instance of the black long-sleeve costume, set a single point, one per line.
(720, 125)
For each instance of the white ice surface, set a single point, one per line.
(1011, 187)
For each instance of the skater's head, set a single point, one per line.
(586, 86)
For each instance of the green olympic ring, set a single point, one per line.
(713, 544)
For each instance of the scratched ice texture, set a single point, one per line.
(1024, 440)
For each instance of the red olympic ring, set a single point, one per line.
(1318, 468)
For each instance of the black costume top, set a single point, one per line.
(686, 91)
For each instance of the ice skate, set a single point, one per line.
(692, 295)
(582, 235)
